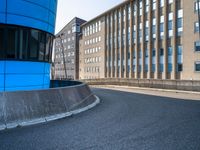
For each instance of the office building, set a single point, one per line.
(144, 39)
(67, 45)
(26, 40)
(92, 49)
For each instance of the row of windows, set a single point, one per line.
(93, 41)
(92, 60)
(65, 40)
(91, 29)
(161, 59)
(68, 61)
(93, 50)
(17, 43)
(92, 69)
(140, 29)
(68, 54)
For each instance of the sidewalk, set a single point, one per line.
(186, 95)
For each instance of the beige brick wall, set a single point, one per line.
(189, 37)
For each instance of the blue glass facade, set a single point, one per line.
(25, 53)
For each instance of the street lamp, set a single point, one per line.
(62, 49)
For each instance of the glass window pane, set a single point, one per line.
(1, 43)
(23, 44)
(197, 66)
(42, 43)
(12, 42)
(48, 42)
(197, 46)
(34, 44)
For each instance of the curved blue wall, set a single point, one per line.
(17, 75)
(37, 14)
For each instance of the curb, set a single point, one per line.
(49, 118)
(143, 88)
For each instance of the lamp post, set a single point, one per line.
(63, 54)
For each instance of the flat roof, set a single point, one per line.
(113, 8)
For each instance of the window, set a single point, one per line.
(161, 60)
(179, 58)
(1, 43)
(162, 3)
(170, 59)
(170, 25)
(196, 6)
(197, 66)
(147, 6)
(196, 27)
(41, 45)
(197, 46)
(154, 4)
(25, 44)
(170, 1)
(140, 5)
(180, 22)
(34, 44)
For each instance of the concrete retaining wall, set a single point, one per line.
(187, 85)
(30, 107)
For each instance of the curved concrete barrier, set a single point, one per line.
(186, 85)
(30, 107)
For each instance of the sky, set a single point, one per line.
(84, 9)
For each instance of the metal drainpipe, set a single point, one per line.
(198, 8)
(64, 63)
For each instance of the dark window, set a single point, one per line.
(12, 42)
(170, 25)
(197, 66)
(42, 44)
(153, 29)
(161, 52)
(48, 42)
(161, 27)
(1, 43)
(25, 44)
(34, 45)
(197, 46)
(153, 52)
(180, 67)
(179, 22)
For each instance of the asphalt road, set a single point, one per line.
(122, 121)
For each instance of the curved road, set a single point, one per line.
(122, 121)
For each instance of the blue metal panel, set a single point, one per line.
(39, 14)
(1, 75)
(24, 89)
(42, 3)
(1, 80)
(23, 80)
(46, 79)
(2, 18)
(47, 68)
(27, 22)
(26, 9)
(46, 86)
(3, 6)
(21, 67)
(53, 5)
(2, 67)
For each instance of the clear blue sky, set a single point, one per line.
(85, 9)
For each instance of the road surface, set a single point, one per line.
(122, 121)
